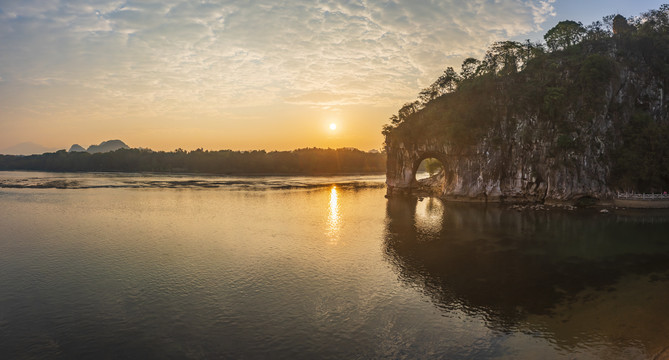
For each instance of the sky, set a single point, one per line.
(243, 74)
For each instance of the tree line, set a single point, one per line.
(505, 58)
(307, 161)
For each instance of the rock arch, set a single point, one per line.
(433, 185)
(494, 172)
(403, 163)
(428, 155)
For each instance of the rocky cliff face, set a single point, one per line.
(522, 157)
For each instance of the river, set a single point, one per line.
(98, 265)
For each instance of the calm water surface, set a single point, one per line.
(155, 266)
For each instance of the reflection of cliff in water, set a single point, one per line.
(512, 266)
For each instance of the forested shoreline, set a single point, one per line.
(308, 161)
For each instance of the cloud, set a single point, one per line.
(542, 10)
(218, 55)
(324, 99)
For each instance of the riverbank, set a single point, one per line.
(642, 204)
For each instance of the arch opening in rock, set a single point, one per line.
(427, 168)
(429, 175)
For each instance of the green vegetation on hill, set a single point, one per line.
(311, 161)
(561, 87)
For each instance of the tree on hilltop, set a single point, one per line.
(446, 83)
(564, 34)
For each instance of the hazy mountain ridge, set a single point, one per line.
(26, 148)
(107, 146)
(76, 148)
(30, 148)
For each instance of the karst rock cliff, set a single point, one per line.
(557, 130)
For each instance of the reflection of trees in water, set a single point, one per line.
(507, 265)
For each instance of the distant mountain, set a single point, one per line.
(26, 148)
(107, 146)
(76, 148)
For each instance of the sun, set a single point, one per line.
(333, 126)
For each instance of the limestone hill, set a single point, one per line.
(583, 116)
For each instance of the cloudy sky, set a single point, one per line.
(241, 74)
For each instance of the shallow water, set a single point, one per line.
(283, 267)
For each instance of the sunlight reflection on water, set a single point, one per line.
(333, 216)
(429, 215)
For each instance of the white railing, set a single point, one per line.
(634, 196)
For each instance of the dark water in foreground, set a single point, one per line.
(136, 266)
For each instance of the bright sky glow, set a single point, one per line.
(242, 74)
